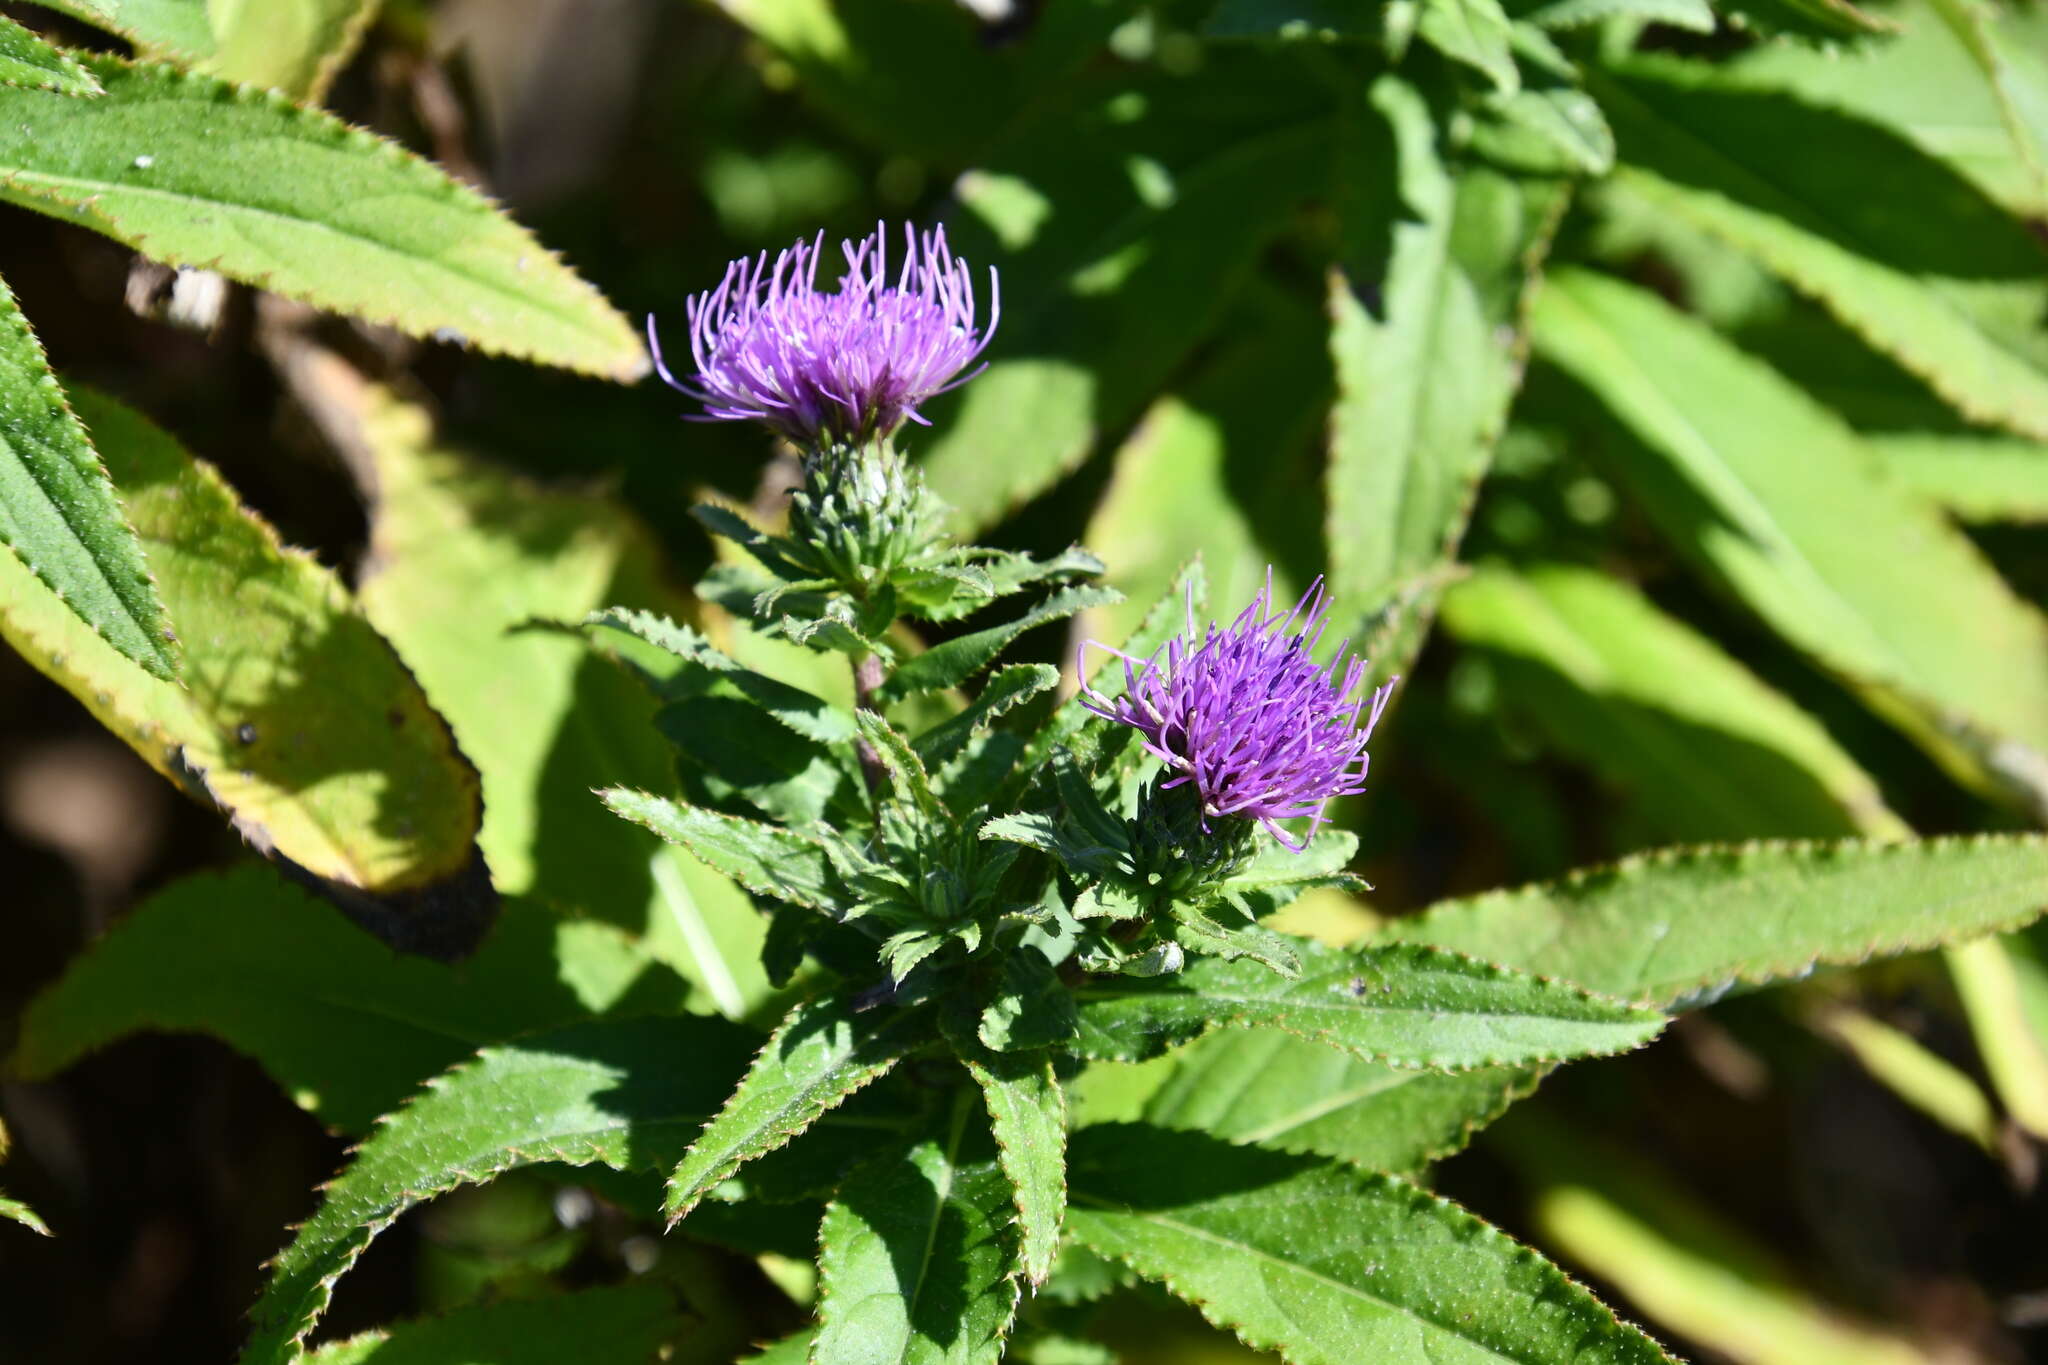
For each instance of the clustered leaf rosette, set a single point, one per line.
(837, 372)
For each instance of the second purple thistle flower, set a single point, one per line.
(843, 366)
(1249, 718)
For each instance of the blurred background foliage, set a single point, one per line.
(1737, 313)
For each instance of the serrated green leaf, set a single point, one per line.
(175, 26)
(1158, 184)
(58, 510)
(193, 172)
(297, 46)
(734, 753)
(1327, 1265)
(1683, 925)
(1032, 1008)
(627, 1094)
(698, 664)
(912, 784)
(1702, 748)
(821, 1053)
(955, 661)
(765, 859)
(1548, 129)
(1964, 83)
(1423, 388)
(342, 1027)
(1976, 479)
(1474, 32)
(463, 555)
(294, 716)
(1818, 21)
(1009, 686)
(1271, 1089)
(916, 1263)
(619, 1325)
(1443, 1011)
(27, 60)
(1863, 576)
(1952, 291)
(1027, 1111)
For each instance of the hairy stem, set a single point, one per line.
(867, 680)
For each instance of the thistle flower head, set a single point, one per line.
(841, 366)
(1248, 717)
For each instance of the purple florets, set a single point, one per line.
(1261, 730)
(845, 366)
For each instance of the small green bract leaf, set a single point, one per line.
(620, 1325)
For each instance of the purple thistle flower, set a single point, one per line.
(845, 366)
(1262, 731)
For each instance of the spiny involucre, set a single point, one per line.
(840, 367)
(1248, 717)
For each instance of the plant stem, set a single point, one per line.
(867, 680)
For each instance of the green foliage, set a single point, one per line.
(1027, 1113)
(58, 512)
(915, 1260)
(823, 1052)
(364, 788)
(27, 60)
(344, 1029)
(199, 173)
(1746, 915)
(627, 1094)
(1327, 1265)
(1401, 1005)
(618, 1326)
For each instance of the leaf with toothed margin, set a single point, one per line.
(1272, 1089)
(27, 60)
(294, 715)
(700, 665)
(297, 46)
(617, 1325)
(193, 171)
(907, 775)
(916, 1261)
(824, 1051)
(1401, 1004)
(954, 662)
(1684, 925)
(1028, 1112)
(1007, 687)
(59, 513)
(762, 858)
(628, 1094)
(1327, 1265)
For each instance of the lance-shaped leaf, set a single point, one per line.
(1327, 1265)
(14, 1211)
(700, 664)
(462, 555)
(618, 1325)
(1424, 375)
(916, 1261)
(1853, 569)
(342, 1028)
(822, 1053)
(294, 716)
(58, 512)
(1402, 1005)
(1684, 925)
(1007, 687)
(628, 1094)
(192, 171)
(1702, 747)
(1696, 16)
(1953, 291)
(1271, 1089)
(1028, 1112)
(27, 60)
(766, 859)
(954, 662)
